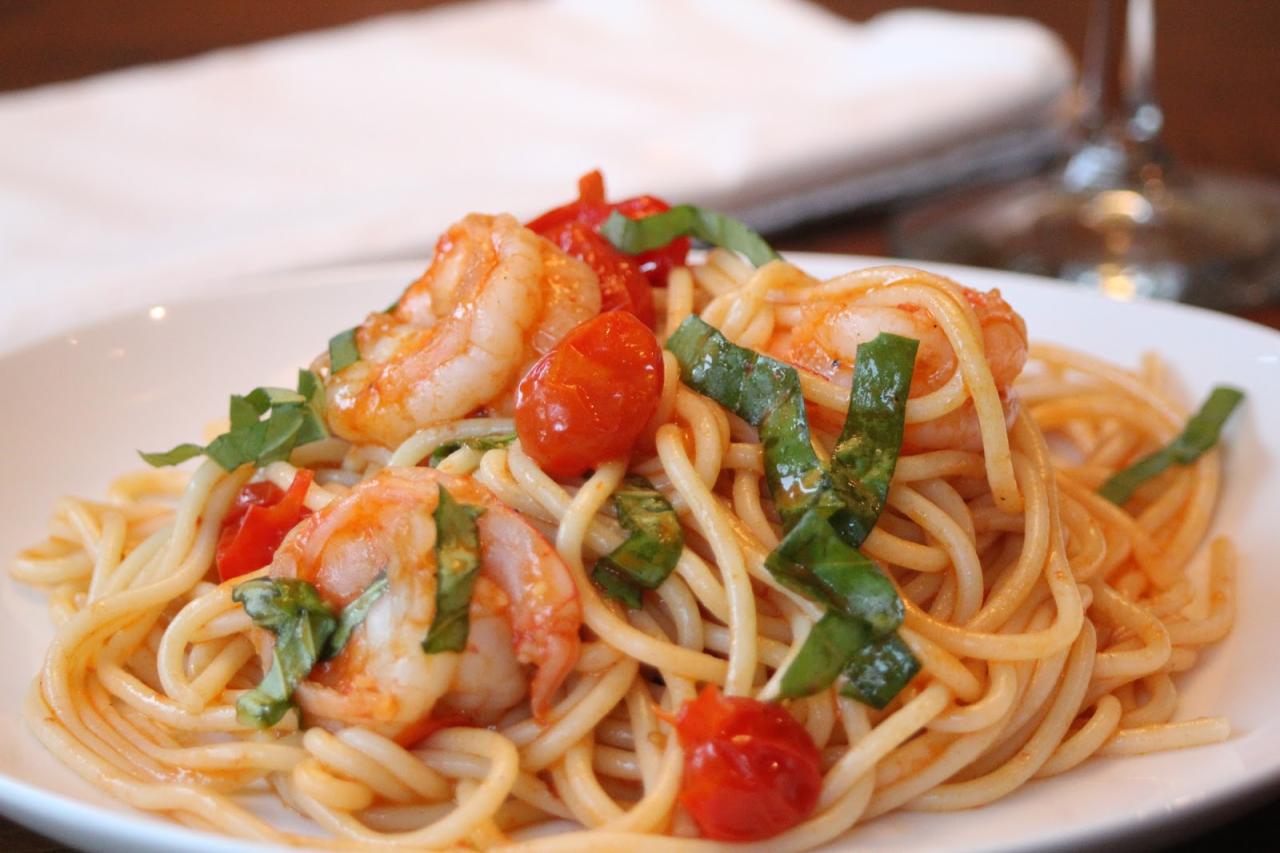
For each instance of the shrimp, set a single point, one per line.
(826, 341)
(524, 608)
(495, 297)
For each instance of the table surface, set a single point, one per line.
(1217, 75)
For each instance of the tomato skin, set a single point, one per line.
(622, 286)
(592, 210)
(750, 770)
(655, 264)
(258, 522)
(587, 400)
(584, 209)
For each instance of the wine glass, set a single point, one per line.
(1117, 214)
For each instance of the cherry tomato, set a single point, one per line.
(750, 770)
(591, 210)
(622, 286)
(583, 209)
(656, 264)
(257, 524)
(586, 401)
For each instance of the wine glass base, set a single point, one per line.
(1210, 240)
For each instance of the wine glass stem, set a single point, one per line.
(1121, 148)
(1143, 117)
(1099, 45)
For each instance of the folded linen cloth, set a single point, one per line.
(365, 141)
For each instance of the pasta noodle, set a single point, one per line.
(1049, 623)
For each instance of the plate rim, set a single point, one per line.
(294, 277)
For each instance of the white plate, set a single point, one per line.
(77, 406)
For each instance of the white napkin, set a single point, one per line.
(366, 141)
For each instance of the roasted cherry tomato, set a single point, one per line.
(750, 770)
(591, 210)
(622, 286)
(656, 264)
(257, 524)
(587, 207)
(587, 400)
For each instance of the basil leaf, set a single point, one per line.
(864, 458)
(311, 398)
(765, 393)
(293, 418)
(616, 586)
(273, 602)
(224, 451)
(823, 655)
(306, 632)
(245, 411)
(814, 561)
(343, 351)
(282, 396)
(652, 549)
(825, 514)
(173, 456)
(353, 614)
(877, 671)
(238, 447)
(312, 428)
(292, 659)
(457, 563)
(258, 400)
(302, 623)
(483, 442)
(1202, 432)
(634, 236)
(280, 435)
(310, 388)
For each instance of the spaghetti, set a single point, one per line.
(1047, 622)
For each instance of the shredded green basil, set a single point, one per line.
(483, 442)
(353, 614)
(825, 514)
(457, 563)
(765, 393)
(814, 561)
(651, 550)
(343, 351)
(875, 668)
(823, 655)
(634, 236)
(302, 623)
(306, 633)
(866, 455)
(878, 670)
(292, 418)
(617, 586)
(174, 456)
(1201, 433)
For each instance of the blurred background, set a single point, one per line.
(148, 143)
(1217, 63)
(832, 126)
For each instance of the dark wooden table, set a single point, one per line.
(1218, 78)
